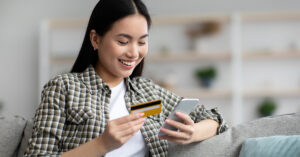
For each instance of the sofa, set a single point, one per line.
(16, 130)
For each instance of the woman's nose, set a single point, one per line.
(133, 51)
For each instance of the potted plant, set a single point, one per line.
(206, 75)
(267, 107)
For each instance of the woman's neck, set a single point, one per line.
(110, 80)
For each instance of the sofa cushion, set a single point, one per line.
(26, 135)
(11, 129)
(229, 143)
(279, 146)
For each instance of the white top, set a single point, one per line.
(135, 146)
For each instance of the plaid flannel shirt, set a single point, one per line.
(74, 110)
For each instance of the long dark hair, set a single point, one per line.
(105, 13)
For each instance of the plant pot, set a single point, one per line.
(206, 82)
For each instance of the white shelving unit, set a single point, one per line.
(60, 41)
(238, 93)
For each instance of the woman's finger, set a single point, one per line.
(116, 135)
(176, 134)
(118, 130)
(181, 126)
(131, 127)
(186, 118)
(128, 118)
(173, 139)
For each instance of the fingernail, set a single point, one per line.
(167, 120)
(178, 113)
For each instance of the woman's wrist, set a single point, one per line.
(205, 129)
(101, 144)
(93, 148)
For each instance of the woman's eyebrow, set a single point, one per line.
(130, 37)
(144, 36)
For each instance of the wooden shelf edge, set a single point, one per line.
(203, 93)
(227, 94)
(62, 59)
(270, 16)
(272, 93)
(67, 23)
(186, 19)
(271, 55)
(188, 56)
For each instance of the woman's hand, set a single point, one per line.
(120, 130)
(186, 130)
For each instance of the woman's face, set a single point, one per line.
(122, 48)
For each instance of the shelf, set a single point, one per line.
(272, 55)
(188, 19)
(62, 59)
(226, 94)
(189, 56)
(270, 16)
(68, 23)
(203, 93)
(272, 93)
(194, 56)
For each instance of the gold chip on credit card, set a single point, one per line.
(149, 108)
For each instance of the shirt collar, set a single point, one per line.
(130, 83)
(94, 82)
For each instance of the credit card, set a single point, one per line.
(149, 108)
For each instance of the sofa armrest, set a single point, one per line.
(229, 143)
(11, 130)
(26, 136)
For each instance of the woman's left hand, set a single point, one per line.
(186, 130)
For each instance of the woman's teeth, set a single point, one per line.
(127, 63)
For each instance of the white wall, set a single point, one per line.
(196, 6)
(19, 27)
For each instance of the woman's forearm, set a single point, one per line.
(93, 148)
(205, 129)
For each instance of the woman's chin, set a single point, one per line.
(126, 74)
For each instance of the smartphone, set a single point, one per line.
(186, 105)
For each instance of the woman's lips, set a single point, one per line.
(127, 64)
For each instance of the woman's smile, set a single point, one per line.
(128, 64)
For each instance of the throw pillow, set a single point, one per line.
(273, 146)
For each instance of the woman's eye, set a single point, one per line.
(142, 43)
(122, 42)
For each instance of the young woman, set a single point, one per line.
(86, 112)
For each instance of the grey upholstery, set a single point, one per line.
(26, 135)
(11, 132)
(15, 132)
(229, 143)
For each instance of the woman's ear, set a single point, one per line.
(95, 39)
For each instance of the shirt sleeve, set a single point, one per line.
(201, 113)
(48, 122)
(170, 100)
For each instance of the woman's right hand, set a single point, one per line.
(119, 131)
